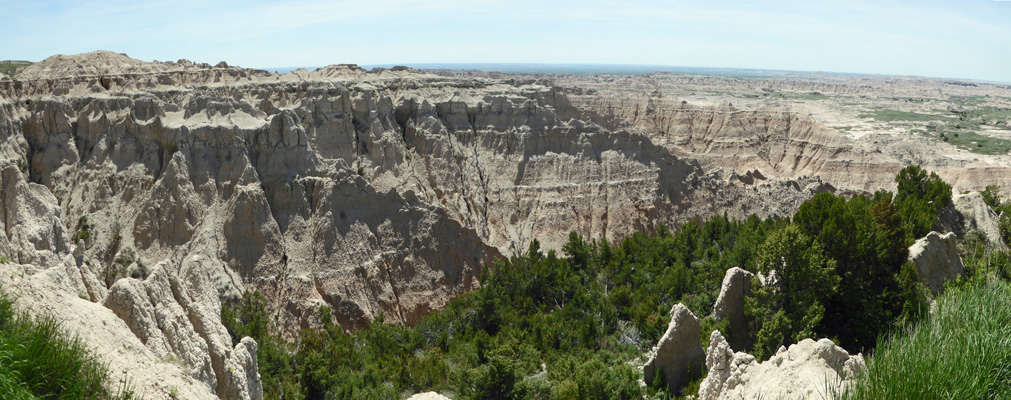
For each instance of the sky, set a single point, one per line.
(968, 39)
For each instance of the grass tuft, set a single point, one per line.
(39, 360)
(896, 115)
(961, 351)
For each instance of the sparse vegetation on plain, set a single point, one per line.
(896, 115)
(11, 67)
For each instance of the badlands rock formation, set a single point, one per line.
(159, 191)
(978, 216)
(936, 259)
(778, 144)
(369, 192)
(678, 355)
(855, 132)
(807, 370)
(730, 305)
(167, 339)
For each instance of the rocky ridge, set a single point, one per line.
(855, 132)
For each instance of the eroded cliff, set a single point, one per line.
(157, 191)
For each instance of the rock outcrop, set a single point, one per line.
(821, 125)
(804, 371)
(730, 305)
(978, 216)
(175, 312)
(428, 396)
(129, 360)
(678, 356)
(173, 318)
(936, 259)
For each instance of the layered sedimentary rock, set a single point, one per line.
(854, 132)
(777, 143)
(372, 193)
(159, 191)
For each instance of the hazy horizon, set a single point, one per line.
(965, 39)
(609, 69)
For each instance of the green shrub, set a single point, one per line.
(919, 199)
(991, 196)
(866, 239)
(83, 229)
(248, 317)
(791, 305)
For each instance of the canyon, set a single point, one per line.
(140, 196)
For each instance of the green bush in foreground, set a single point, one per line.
(961, 351)
(38, 360)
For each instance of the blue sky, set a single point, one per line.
(960, 39)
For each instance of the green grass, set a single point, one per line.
(991, 114)
(11, 67)
(962, 351)
(38, 360)
(805, 96)
(973, 141)
(896, 115)
(968, 100)
(794, 95)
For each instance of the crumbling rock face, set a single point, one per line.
(173, 315)
(758, 144)
(32, 230)
(779, 144)
(976, 215)
(805, 370)
(936, 259)
(129, 360)
(243, 358)
(678, 355)
(175, 312)
(730, 305)
(368, 192)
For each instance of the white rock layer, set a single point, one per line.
(809, 369)
(936, 259)
(730, 305)
(678, 355)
